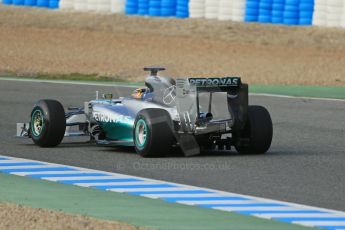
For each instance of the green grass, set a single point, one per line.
(336, 92)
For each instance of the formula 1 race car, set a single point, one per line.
(190, 114)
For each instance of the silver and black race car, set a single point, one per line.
(188, 114)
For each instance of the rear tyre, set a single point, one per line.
(256, 137)
(48, 123)
(153, 133)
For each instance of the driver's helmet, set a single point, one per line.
(139, 93)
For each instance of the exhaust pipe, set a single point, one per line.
(205, 117)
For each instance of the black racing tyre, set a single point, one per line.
(48, 123)
(153, 133)
(258, 132)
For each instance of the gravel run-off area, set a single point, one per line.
(61, 42)
(18, 217)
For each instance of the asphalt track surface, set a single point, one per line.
(306, 163)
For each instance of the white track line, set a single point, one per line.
(30, 167)
(287, 215)
(55, 172)
(135, 86)
(225, 202)
(69, 82)
(9, 161)
(82, 177)
(154, 196)
(297, 97)
(116, 183)
(151, 189)
(257, 208)
(320, 223)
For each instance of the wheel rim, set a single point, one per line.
(141, 134)
(37, 121)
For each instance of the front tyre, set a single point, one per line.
(256, 136)
(48, 123)
(153, 133)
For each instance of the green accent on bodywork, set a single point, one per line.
(107, 142)
(114, 120)
(33, 121)
(140, 211)
(118, 130)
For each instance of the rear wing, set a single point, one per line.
(187, 103)
(224, 84)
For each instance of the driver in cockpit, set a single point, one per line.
(139, 93)
(155, 85)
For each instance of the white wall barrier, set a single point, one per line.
(238, 10)
(196, 8)
(117, 6)
(334, 13)
(114, 6)
(211, 9)
(343, 17)
(225, 10)
(329, 13)
(80, 5)
(91, 5)
(104, 6)
(320, 13)
(232, 10)
(66, 4)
